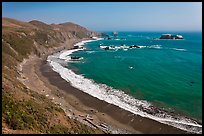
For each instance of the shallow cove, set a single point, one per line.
(158, 73)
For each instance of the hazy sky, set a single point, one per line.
(112, 16)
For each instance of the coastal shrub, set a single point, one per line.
(22, 30)
(29, 121)
(81, 34)
(12, 113)
(6, 49)
(83, 130)
(8, 61)
(59, 129)
(58, 109)
(22, 45)
(40, 37)
(23, 115)
(80, 128)
(17, 123)
(38, 96)
(30, 110)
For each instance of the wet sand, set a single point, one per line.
(137, 122)
(41, 78)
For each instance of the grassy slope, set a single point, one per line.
(22, 108)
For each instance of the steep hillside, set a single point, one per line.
(23, 110)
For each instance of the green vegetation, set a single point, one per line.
(24, 109)
(59, 129)
(81, 34)
(16, 115)
(40, 37)
(6, 49)
(19, 43)
(33, 115)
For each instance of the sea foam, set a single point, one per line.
(178, 49)
(124, 47)
(118, 97)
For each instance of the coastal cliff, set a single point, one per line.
(24, 110)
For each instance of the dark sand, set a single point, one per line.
(39, 77)
(108, 113)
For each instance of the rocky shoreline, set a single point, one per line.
(32, 77)
(83, 107)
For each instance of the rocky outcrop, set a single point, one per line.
(170, 36)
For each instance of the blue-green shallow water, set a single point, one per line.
(164, 75)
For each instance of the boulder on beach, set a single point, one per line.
(76, 47)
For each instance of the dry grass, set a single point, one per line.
(23, 110)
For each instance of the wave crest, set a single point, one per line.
(119, 98)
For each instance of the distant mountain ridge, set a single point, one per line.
(41, 35)
(72, 26)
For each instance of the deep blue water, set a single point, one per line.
(168, 73)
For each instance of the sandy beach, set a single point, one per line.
(37, 75)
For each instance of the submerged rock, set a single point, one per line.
(134, 46)
(106, 48)
(171, 36)
(75, 57)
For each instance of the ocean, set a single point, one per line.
(161, 80)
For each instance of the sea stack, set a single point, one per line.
(171, 36)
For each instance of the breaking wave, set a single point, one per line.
(124, 47)
(112, 47)
(118, 97)
(178, 49)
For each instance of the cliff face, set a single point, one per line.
(23, 110)
(40, 36)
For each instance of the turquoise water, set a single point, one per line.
(168, 75)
